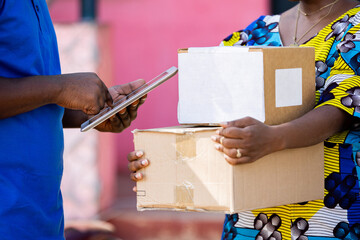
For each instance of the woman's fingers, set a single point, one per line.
(136, 176)
(138, 164)
(135, 155)
(228, 142)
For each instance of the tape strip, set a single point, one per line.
(185, 146)
(184, 196)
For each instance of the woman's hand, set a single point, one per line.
(136, 162)
(246, 140)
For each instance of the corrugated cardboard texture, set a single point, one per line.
(289, 176)
(180, 175)
(285, 58)
(187, 173)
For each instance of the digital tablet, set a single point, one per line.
(128, 99)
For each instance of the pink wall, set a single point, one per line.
(145, 38)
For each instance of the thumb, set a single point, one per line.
(137, 83)
(240, 123)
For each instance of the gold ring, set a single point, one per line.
(221, 140)
(238, 153)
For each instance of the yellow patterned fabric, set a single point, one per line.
(337, 215)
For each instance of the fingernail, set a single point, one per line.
(138, 175)
(224, 123)
(217, 132)
(134, 104)
(217, 146)
(144, 162)
(134, 189)
(123, 111)
(226, 156)
(213, 138)
(139, 153)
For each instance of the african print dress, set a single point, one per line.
(337, 215)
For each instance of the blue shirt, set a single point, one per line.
(31, 144)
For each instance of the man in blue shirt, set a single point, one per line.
(36, 102)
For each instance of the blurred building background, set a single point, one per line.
(124, 40)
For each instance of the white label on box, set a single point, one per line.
(221, 86)
(288, 87)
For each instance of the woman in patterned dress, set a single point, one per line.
(332, 27)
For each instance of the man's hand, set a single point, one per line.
(123, 119)
(82, 91)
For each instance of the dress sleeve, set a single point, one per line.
(342, 87)
(263, 31)
(240, 37)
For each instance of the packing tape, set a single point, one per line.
(185, 146)
(184, 195)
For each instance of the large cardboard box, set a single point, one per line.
(271, 84)
(187, 173)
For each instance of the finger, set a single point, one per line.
(125, 118)
(109, 100)
(240, 123)
(135, 155)
(216, 138)
(92, 110)
(232, 132)
(228, 142)
(132, 109)
(136, 176)
(116, 123)
(143, 99)
(137, 83)
(127, 88)
(107, 95)
(233, 152)
(219, 147)
(135, 104)
(137, 165)
(101, 103)
(236, 161)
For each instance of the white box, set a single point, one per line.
(270, 84)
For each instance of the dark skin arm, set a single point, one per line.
(255, 139)
(81, 94)
(79, 91)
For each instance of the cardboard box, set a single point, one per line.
(271, 84)
(186, 173)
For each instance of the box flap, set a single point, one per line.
(183, 129)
